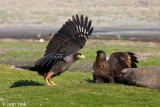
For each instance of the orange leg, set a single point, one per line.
(47, 82)
(52, 82)
(48, 79)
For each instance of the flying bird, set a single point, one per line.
(105, 71)
(62, 49)
(148, 77)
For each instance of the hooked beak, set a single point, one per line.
(81, 56)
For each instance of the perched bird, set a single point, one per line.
(143, 77)
(104, 71)
(38, 36)
(62, 49)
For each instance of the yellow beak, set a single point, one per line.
(81, 56)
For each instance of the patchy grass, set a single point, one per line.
(25, 53)
(19, 52)
(151, 61)
(22, 86)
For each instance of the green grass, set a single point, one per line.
(24, 53)
(22, 86)
(152, 61)
(21, 51)
(26, 87)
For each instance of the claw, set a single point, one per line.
(48, 79)
(52, 83)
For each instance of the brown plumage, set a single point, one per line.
(101, 70)
(143, 77)
(62, 49)
(106, 70)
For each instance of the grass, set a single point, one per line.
(24, 53)
(28, 88)
(152, 61)
(22, 86)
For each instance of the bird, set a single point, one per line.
(105, 71)
(62, 50)
(148, 77)
(101, 69)
(38, 37)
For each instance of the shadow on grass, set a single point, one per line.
(21, 83)
(89, 80)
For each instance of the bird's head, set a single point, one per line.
(101, 54)
(78, 56)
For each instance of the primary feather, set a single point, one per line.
(70, 35)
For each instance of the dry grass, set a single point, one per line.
(56, 12)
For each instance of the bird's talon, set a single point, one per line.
(54, 84)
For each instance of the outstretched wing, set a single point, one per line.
(71, 37)
(50, 59)
(121, 60)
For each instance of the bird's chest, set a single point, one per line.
(61, 67)
(100, 68)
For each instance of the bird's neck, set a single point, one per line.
(98, 59)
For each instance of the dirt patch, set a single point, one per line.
(2, 51)
(17, 40)
(121, 42)
(94, 41)
(85, 66)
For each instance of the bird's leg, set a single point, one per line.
(47, 82)
(52, 82)
(49, 75)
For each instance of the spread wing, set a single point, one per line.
(71, 37)
(121, 60)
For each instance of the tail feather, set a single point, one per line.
(31, 68)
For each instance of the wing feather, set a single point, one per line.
(121, 60)
(82, 23)
(49, 59)
(71, 37)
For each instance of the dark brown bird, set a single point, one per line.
(101, 70)
(62, 49)
(143, 77)
(105, 71)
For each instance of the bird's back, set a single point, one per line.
(121, 60)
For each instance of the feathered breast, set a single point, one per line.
(100, 67)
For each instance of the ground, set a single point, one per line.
(13, 52)
(28, 88)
